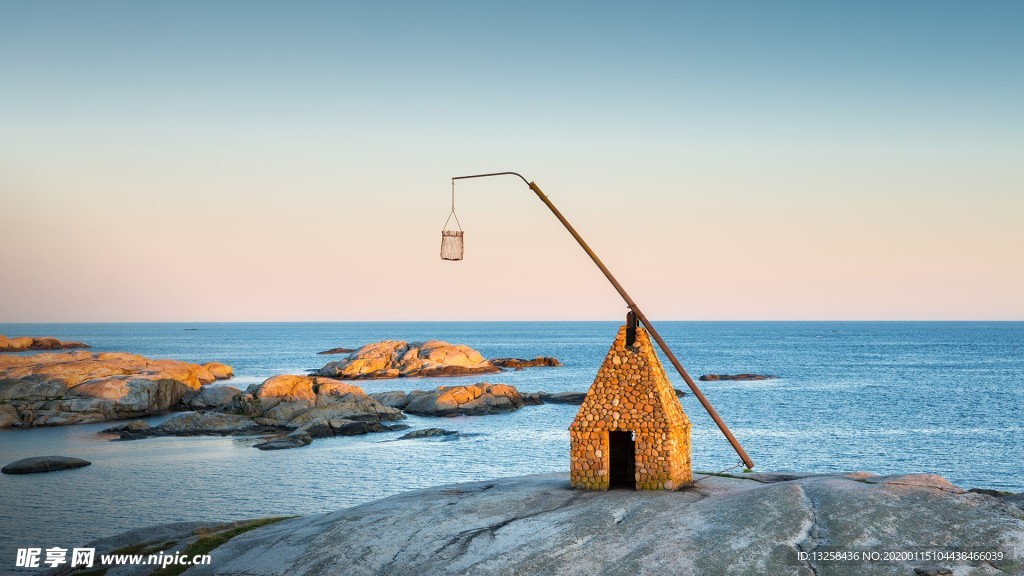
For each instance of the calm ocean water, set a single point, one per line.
(880, 396)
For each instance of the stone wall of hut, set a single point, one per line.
(632, 393)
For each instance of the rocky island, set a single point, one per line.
(520, 363)
(725, 524)
(295, 408)
(400, 359)
(23, 343)
(53, 389)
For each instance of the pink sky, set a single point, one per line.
(735, 161)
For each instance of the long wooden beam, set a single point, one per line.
(636, 310)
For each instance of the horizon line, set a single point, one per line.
(934, 320)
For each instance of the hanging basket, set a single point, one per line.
(451, 240)
(451, 244)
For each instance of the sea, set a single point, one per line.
(884, 397)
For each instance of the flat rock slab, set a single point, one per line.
(38, 464)
(722, 525)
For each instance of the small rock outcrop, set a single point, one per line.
(338, 351)
(428, 433)
(192, 424)
(297, 408)
(38, 464)
(393, 398)
(555, 397)
(296, 439)
(23, 343)
(520, 363)
(714, 377)
(473, 400)
(399, 359)
(58, 388)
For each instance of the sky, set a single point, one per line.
(291, 161)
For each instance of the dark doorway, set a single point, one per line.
(621, 460)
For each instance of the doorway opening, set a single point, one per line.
(622, 460)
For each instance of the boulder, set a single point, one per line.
(219, 371)
(22, 343)
(75, 387)
(714, 377)
(333, 391)
(8, 416)
(39, 464)
(133, 426)
(285, 388)
(399, 359)
(354, 428)
(520, 363)
(338, 351)
(296, 439)
(475, 399)
(368, 411)
(393, 398)
(210, 397)
(282, 413)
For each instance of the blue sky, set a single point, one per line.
(845, 155)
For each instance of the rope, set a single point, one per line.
(452, 213)
(719, 473)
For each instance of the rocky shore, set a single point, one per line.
(779, 524)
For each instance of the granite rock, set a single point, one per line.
(721, 525)
(399, 359)
(473, 400)
(54, 388)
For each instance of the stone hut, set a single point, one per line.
(631, 431)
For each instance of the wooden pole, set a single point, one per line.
(636, 310)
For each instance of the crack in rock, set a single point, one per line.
(465, 538)
(812, 536)
(460, 495)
